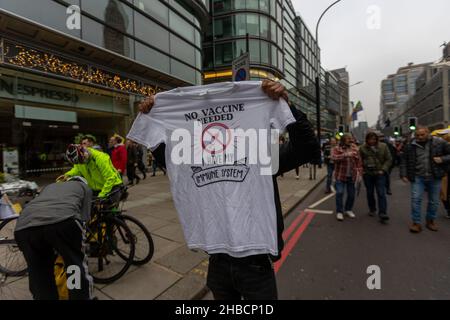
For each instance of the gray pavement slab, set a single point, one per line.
(146, 283)
(182, 260)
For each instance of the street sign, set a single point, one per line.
(241, 68)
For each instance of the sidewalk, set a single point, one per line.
(175, 272)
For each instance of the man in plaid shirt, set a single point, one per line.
(348, 171)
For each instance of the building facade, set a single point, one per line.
(71, 67)
(280, 46)
(344, 89)
(430, 102)
(396, 90)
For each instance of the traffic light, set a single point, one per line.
(396, 131)
(341, 130)
(412, 123)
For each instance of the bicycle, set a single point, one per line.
(144, 246)
(111, 245)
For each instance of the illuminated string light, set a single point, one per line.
(49, 63)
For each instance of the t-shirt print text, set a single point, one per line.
(236, 172)
(215, 114)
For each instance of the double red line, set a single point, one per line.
(305, 218)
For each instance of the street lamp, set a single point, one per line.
(318, 72)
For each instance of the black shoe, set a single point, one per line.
(389, 193)
(138, 180)
(384, 218)
(130, 184)
(372, 213)
(145, 176)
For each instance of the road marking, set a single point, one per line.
(293, 225)
(293, 241)
(320, 211)
(323, 199)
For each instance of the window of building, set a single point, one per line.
(251, 4)
(182, 50)
(240, 22)
(153, 58)
(151, 33)
(182, 71)
(224, 53)
(107, 38)
(181, 26)
(220, 6)
(155, 9)
(253, 24)
(113, 12)
(255, 55)
(265, 52)
(264, 27)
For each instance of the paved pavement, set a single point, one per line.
(175, 272)
(329, 260)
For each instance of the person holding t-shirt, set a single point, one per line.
(235, 271)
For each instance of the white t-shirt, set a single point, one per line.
(225, 204)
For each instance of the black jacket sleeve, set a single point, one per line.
(303, 146)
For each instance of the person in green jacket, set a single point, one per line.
(377, 161)
(96, 167)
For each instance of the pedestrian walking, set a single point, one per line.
(140, 161)
(119, 156)
(377, 160)
(424, 164)
(392, 151)
(327, 147)
(132, 158)
(348, 170)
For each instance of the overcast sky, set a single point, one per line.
(408, 31)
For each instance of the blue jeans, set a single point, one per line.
(378, 183)
(330, 170)
(340, 189)
(418, 188)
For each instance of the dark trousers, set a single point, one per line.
(330, 170)
(388, 180)
(142, 169)
(378, 183)
(131, 173)
(39, 244)
(251, 278)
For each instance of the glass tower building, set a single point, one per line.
(280, 45)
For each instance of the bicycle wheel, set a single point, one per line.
(112, 253)
(12, 261)
(143, 241)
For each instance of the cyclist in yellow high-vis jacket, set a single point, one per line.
(96, 167)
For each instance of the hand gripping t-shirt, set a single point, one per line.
(218, 138)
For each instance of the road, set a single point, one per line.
(328, 259)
